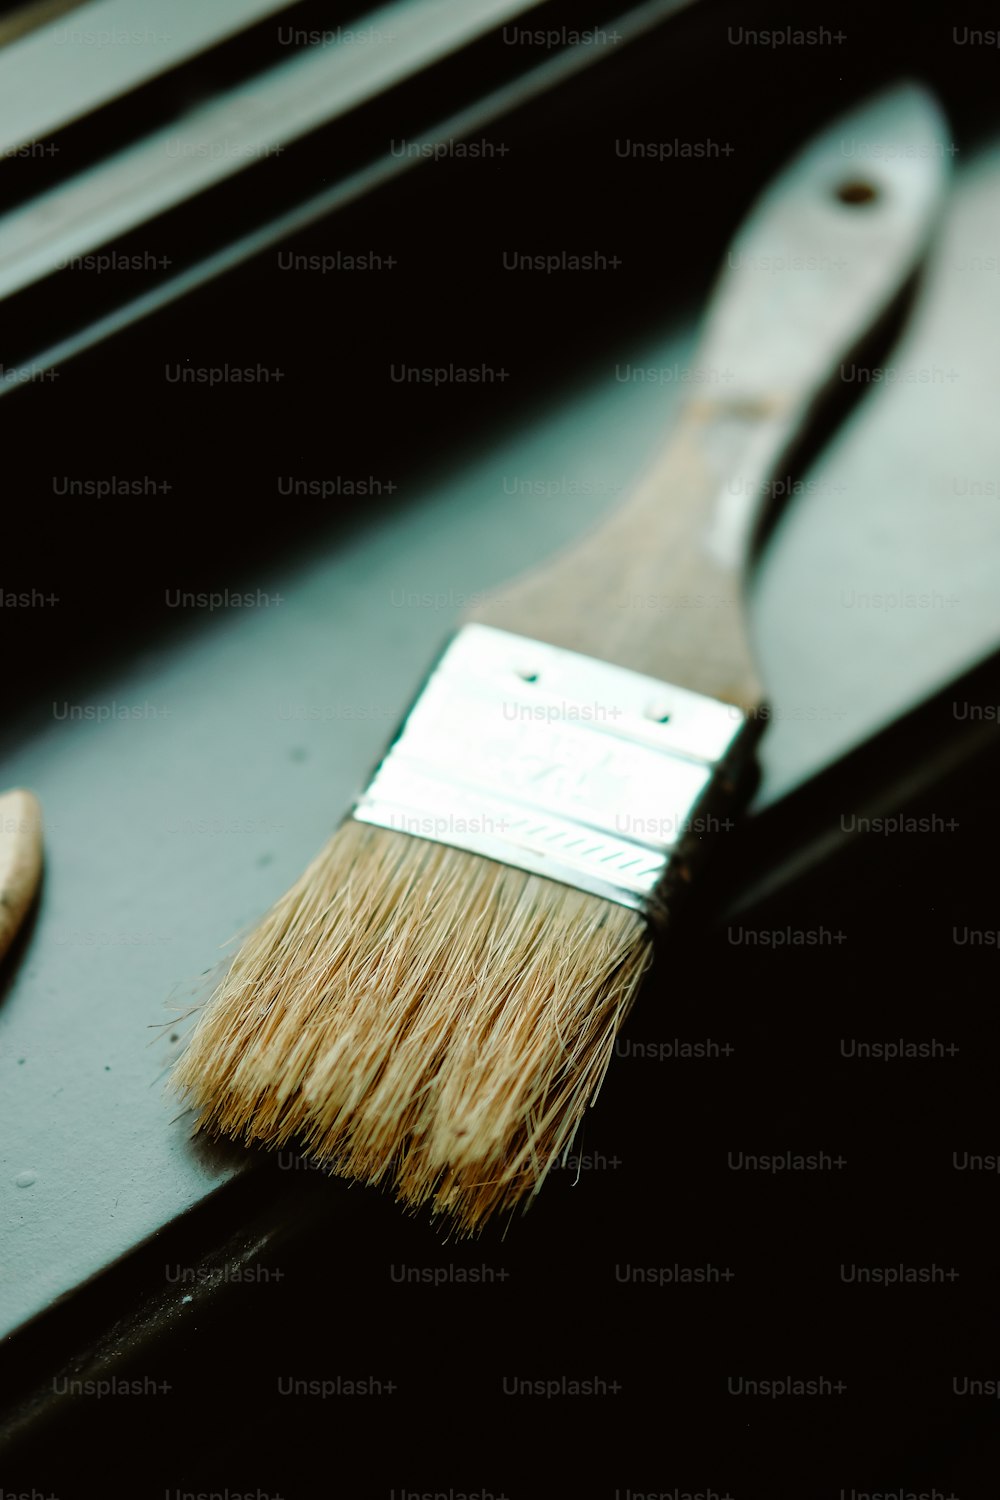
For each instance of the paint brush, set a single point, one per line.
(435, 1002)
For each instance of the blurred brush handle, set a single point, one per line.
(20, 860)
(658, 586)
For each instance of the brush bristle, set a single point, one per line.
(418, 1016)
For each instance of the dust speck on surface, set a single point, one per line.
(173, 1036)
(264, 859)
(26, 1178)
(298, 753)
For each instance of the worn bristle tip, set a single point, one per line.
(413, 1015)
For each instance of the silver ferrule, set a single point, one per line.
(560, 765)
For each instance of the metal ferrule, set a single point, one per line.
(560, 765)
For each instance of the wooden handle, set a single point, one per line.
(20, 860)
(658, 587)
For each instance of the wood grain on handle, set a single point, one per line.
(658, 586)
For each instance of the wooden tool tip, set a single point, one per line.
(20, 859)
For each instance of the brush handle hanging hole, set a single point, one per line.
(856, 191)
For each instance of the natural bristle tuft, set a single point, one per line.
(414, 1015)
